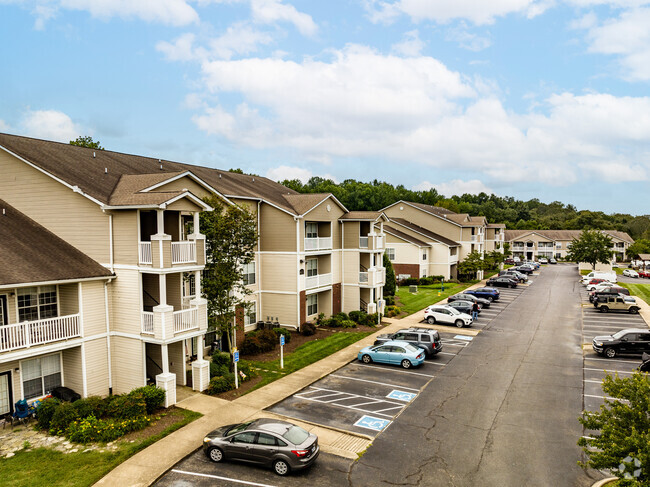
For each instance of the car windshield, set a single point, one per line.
(454, 311)
(238, 427)
(296, 435)
(619, 334)
(411, 348)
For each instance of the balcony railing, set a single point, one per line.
(30, 333)
(167, 324)
(147, 322)
(363, 242)
(318, 243)
(373, 277)
(372, 242)
(183, 252)
(186, 319)
(318, 280)
(145, 253)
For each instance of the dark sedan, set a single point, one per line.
(469, 297)
(512, 274)
(489, 293)
(502, 281)
(463, 306)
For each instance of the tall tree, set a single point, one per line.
(592, 247)
(86, 141)
(641, 246)
(230, 237)
(622, 442)
(391, 283)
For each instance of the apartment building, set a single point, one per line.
(137, 218)
(531, 244)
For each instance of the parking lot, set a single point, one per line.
(507, 296)
(596, 367)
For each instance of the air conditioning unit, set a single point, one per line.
(372, 308)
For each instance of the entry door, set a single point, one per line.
(6, 401)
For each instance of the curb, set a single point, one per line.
(603, 482)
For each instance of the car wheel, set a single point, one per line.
(489, 298)
(513, 286)
(610, 353)
(634, 310)
(459, 323)
(406, 364)
(431, 320)
(281, 467)
(604, 309)
(215, 454)
(366, 359)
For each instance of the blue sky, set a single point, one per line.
(542, 99)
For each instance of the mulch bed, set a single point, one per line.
(167, 416)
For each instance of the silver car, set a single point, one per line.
(270, 442)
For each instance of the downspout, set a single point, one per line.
(108, 340)
(342, 271)
(297, 269)
(110, 242)
(259, 265)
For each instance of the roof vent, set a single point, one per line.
(253, 179)
(4, 211)
(105, 170)
(219, 175)
(93, 154)
(160, 162)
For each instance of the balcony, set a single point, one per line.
(164, 322)
(373, 277)
(318, 243)
(30, 333)
(519, 247)
(173, 253)
(319, 280)
(372, 242)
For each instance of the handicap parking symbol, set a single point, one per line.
(371, 423)
(401, 395)
(463, 337)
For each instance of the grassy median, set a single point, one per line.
(640, 290)
(425, 296)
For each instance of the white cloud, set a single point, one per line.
(476, 11)
(281, 173)
(272, 11)
(415, 110)
(4, 126)
(410, 46)
(455, 187)
(181, 49)
(238, 39)
(466, 39)
(50, 125)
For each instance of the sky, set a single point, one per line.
(543, 99)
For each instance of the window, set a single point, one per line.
(189, 285)
(266, 439)
(558, 245)
(311, 230)
(391, 254)
(312, 267)
(249, 273)
(250, 317)
(41, 375)
(424, 255)
(246, 437)
(37, 303)
(312, 304)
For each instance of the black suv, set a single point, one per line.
(629, 341)
(424, 338)
(612, 291)
(485, 303)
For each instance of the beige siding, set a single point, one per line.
(324, 305)
(430, 222)
(72, 369)
(176, 353)
(94, 309)
(174, 297)
(96, 367)
(125, 237)
(351, 267)
(11, 306)
(69, 215)
(278, 272)
(351, 298)
(184, 183)
(125, 301)
(281, 305)
(68, 299)
(277, 230)
(351, 235)
(184, 204)
(128, 371)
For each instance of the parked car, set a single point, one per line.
(446, 315)
(615, 303)
(502, 281)
(424, 338)
(612, 291)
(278, 444)
(630, 273)
(596, 280)
(608, 276)
(511, 273)
(489, 293)
(469, 297)
(552, 261)
(525, 269)
(463, 306)
(601, 286)
(509, 261)
(628, 341)
(543, 260)
(393, 352)
(532, 263)
(644, 273)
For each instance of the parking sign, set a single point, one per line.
(282, 340)
(235, 356)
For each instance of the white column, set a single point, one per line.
(162, 286)
(196, 223)
(160, 229)
(167, 380)
(200, 368)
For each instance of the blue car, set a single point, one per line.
(393, 352)
(489, 293)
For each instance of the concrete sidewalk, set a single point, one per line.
(147, 466)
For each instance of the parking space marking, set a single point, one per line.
(371, 423)
(346, 396)
(446, 353)
(613, 360)
(608, 371)
(196, 474)
(463, 337)
(402, 371)
(401, 396)
(607, 397)
(371, 381)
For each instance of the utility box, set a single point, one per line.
(413, 289)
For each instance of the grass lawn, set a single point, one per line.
(42, 466)
(304, 355)
(640, 290)
(427, 295)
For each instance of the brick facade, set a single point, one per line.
(336, 298)
(303, 307)
(239, 325)
(412, 269)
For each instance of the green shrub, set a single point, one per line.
(348, 324)
(221, 384)
(91, 429)
(217, 370)
(127, 406)
(341, 316)
(245, 367)
(154, 397)
(332, 322)
(393, 311)
(357, 316)
(308, 329)
(269, 339)
(282, 331)
(64, 414)
(221, 358)
(390, 301)
(45, 412)
(320, 319)
(90, 406)
(252, 345)
(371, 320)
(426, 281)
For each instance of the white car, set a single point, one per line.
(601, 286)
(543, 260)
(630, 273)
(446, 315)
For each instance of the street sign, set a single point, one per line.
(281, 340)
(235, 356)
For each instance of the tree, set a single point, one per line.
(622, 444)
(86, 141)
(391, 283)
(592, 247)
(641, 246)
(491, 260)
(230, 239)
(471, 264)
(506, 250)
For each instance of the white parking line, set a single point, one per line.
(398, 370)
(446, 353)
(329, 395)
(605, 370)
(379, 411)
(359, 396)
(607, 397)
(456, 344)
(613, 360)
(593, 381)
(373, 382)
(221, 478)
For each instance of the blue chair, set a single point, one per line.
(22, 412)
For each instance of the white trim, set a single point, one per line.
(191, 175)
(330, 195)
(155, 270)
(317, 290)
(84, 378)
(52, 283)
(297, 220)
(108, 339)
(291, 293)
(40, 169)
(150, 339)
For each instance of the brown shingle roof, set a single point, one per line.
(31, 253)
(404, 236)
(303, 202)
(362, 215)
(556, 235)
(425, 232)
(436, 210)
(496, 225)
